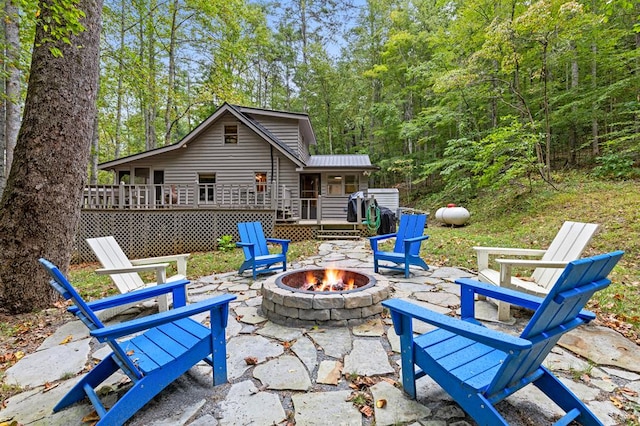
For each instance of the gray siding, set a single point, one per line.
(235, 164)
(334, 206)
(287, 130)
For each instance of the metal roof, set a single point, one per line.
(359, 161)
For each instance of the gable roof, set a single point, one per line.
(240, 113)
(247, 116)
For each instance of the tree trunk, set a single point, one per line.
(573, 132)
(168, 121)
(40, 208)
(12, 90)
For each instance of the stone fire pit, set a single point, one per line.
(288, 300)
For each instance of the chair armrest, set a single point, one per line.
(278, 241)
(383, 237)
(414, 239)
(180, 259)
(470, 287)
(160, 268)
(484, 252)
(145, 323)
(533, 263)
(373, 241)
(479, 333)
(177, 287)
(507, 264)
(283, 243)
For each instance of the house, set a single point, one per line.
(239, 157)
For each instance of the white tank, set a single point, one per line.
(453, 215)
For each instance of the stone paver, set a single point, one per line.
(602, 346)
(368, 358)
(329, 372)
(306, 351)
(241, 347)
(335, 342)
(325, 408)
(397, 406)
(281, 374)
(371, 328)
(286, 372)
(49, 365)
(247, 405)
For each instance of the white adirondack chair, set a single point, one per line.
(125, 272)
(567, 245)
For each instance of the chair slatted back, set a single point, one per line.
(251, 232)
(85, 314)
(110, 255)
(411, 226)
(558, 313)
(569, 244)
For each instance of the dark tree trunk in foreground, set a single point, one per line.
(40, 207)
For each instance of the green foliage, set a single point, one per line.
(225, 243)
(506, 154)
(60, 20)
(616, 166)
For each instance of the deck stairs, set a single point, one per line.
(338, 231)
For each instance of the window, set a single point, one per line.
(207, 186)
(124, 177)
(261, 182)
(350, 184)
(334, 185)
(231, 134)
(141, 176)
(342, 184)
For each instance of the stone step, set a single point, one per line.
(338, 237)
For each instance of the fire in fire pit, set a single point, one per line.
(325, 281)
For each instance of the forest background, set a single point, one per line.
(453, 96)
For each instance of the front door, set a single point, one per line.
(309, 192)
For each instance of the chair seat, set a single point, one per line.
(388, 255)
(270, 258)
(469, 361)
(161, 345)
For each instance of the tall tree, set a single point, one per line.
(40, 207)
(11, 98)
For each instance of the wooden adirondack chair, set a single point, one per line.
(479, 366)
(124, 272)
(256, 252)
(407, 247)
(160, 347)
(568, 245)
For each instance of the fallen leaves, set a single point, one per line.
(251, 360)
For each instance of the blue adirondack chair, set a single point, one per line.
(406, 251)
(256, 253)
(163, 347)
(479, 366)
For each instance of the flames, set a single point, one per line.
(333, 280)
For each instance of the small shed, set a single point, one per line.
(386, 197)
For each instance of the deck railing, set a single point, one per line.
(196, 195)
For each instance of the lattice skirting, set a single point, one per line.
(162, 232)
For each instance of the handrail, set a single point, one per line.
(196, 195)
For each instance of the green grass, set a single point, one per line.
(531, 220)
